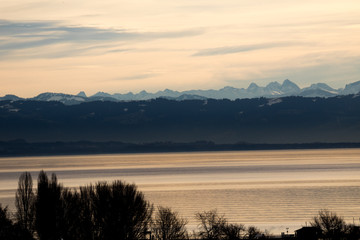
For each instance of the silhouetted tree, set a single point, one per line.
(211, 225)
(233, 231)
(5, 223)
(168, 225)
(331, 226)
(352, 232)
(48, 208)
(73, 221)
(9, 230)
(253, 233)
(24, 202)
(86, 220)
(119, 211)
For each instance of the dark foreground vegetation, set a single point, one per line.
(118, 210)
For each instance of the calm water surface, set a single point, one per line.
(274, 190)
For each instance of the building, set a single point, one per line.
(308, 233)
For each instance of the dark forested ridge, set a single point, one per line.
(288, 120)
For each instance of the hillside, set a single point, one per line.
(282, 120)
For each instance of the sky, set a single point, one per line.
(118, 46)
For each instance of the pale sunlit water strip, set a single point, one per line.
(270, 189)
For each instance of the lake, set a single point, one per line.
(273, 190)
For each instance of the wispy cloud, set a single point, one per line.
(337, 20)
(137, 77)
(241, 48)
(28, 35)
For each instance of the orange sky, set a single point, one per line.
(120, 46)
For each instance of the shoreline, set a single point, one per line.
(21, 148)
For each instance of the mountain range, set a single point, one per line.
(272, 90)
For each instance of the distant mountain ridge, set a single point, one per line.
(272, 90)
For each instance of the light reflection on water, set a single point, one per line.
(270, 189)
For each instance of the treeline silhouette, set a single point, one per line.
(119, 210)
